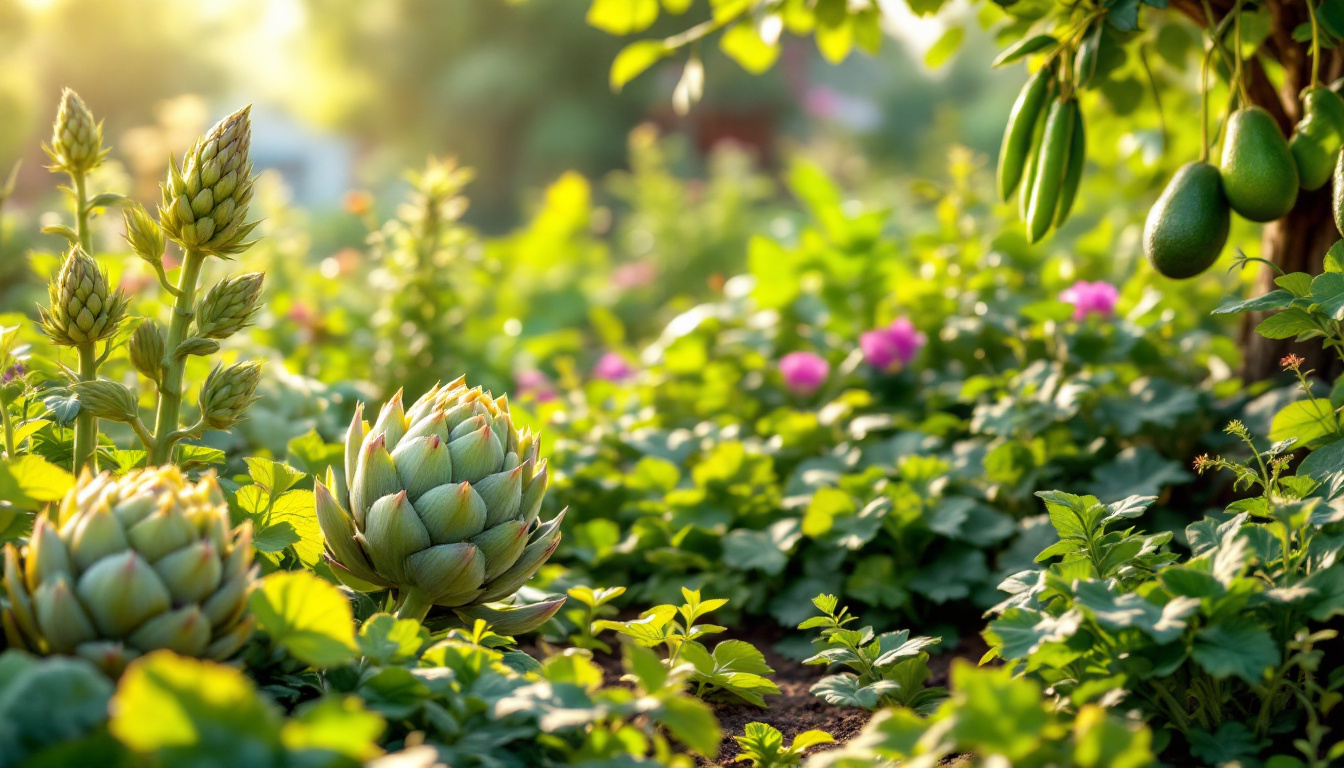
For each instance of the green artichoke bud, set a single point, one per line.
(197, 346)
(76, 139)
(227, 392)
(147, 350)
(131, 565)
(228, 306)
(82, 309)
(204, 205)
(143, 234)
(441, 507)
(107, 400)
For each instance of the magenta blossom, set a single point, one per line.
(613, 367)
(887, 349)
(13, 372)
(534, 384)
(1086, 298)
(804, 372)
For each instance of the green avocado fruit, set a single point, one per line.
(1259, 174)
(1187, 227)
(1318, 136)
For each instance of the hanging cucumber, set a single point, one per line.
(1051, 167)
(1017, 137)
(1073, 173)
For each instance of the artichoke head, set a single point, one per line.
(83, 309)
(131, 565)
(76, 137)
(205, 199)
(441, 508)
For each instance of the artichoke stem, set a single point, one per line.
(10, 448)
(82, 213)
(170, 386)
(415, 605)
(86, 426)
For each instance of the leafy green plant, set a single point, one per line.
(763, 746)
(1222, 640)
(734, 669)
(993, 718)
(889, 669)
(593, 605)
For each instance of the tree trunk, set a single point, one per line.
(1296, 243)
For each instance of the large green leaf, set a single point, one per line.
(306, 616)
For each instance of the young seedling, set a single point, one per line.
(885, 670)
(763, 746)
(734, 669)
(592, 606)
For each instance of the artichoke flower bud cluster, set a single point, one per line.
(442, 508)
(77, 139)
(147, 350)
(204, 201)
(106, 400)
(227, 393)
(83, 310)
(132, 565)
(143, 234)
(229, 306)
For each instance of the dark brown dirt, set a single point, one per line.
(795, 709)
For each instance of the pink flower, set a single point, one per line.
(634, 275)
(613, 367)
(1098, 297)
(887, 349)
(804, 372)
(533, 384)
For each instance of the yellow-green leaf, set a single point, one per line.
(306, 616)
(742, 42)
(634, 59)
(941, 51)
(340, 725)
(622, 17)
(184, 709)
(835, 42)
(31, 478)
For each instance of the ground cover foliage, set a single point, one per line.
(771, 468)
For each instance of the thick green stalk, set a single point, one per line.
(415, 605)
(11, 450)
(170, 386)
(82, 214)
(86, 426)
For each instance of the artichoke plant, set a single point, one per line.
(131, 565)
(441, 508)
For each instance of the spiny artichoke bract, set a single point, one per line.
(131, 565)
(83, 310)
(204, 205)
(442, 508)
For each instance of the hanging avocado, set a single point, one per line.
(1318, 136)
(1259, 174)
(1187, 226)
